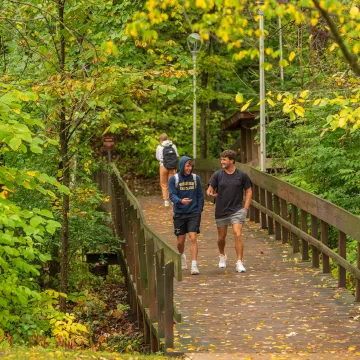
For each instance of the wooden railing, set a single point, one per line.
(149, 263)
(287, 211)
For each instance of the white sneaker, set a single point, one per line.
(222, 261)
(194, 270)
(183, 262)
(240, 267)
(167, 203)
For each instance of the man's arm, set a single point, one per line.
(248, 196)
(211, 192)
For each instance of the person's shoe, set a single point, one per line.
(167, 203)
(194, 270)
(240, 267)
(222, 261)
(183, 262)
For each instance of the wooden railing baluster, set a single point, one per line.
(314, 234)
(342, 253)
(325, 241)
(269, 205)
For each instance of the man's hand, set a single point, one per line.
(211, 193)
(186, 201)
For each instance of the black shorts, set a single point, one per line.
(185, 223)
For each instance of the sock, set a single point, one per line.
(193, 262)
(239, 261)
(183, 256)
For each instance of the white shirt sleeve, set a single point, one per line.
(159, 153)
(175, 148)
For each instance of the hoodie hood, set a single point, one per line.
(183, 160)
(166, 143)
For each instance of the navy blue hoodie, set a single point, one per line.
(186, 189)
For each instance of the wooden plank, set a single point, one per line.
(252, 208)
(160, 292)
(304, 244)
(269, 205)
(169, 305)
(284, 215)
(312, 204)
(342, 253)
(277, 212)
(295, 222)
(314, 234)
(263, 203)
(325, 241)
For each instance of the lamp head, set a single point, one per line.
(194, 43)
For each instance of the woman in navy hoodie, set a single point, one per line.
(187, 196)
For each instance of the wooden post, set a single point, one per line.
(357, 286)
(284, 215)
(342, 253)
(325, 241)
(314, 234)
(150, 264)
(256, 198)
(304, 244)
(169, 305)
(294, 221)
(277, 212)
(160, 292)
(263, 203)
(269, 205)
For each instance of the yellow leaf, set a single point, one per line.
(292, 56)
(239, 98)
(351, 348)
(356, 48)
(270, 102)
(314, 21)
(317, 102)
(333, 46)
(304, 94)
(299, 110)
(279, 97)
(31, 173)
(245, 106)
(354, 11)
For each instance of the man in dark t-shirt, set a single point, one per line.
(228, 186)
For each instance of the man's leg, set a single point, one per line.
(222, 231)
(239, 247)
(239, 244)
(181, 248)
(194, 248)
(164, 183)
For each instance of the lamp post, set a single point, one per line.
(194, 45)
(262, 92)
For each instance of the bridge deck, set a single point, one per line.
(280, 305)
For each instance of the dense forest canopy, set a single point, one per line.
(73, 70)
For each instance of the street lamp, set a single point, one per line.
(194, 45)
(262, 91)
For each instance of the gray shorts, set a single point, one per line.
(237, 218)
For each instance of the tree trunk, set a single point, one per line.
(64, 264)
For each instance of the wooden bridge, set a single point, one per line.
(286, 303)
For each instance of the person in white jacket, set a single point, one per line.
(165, 173)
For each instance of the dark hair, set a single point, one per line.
(230, 154)
(191, 161)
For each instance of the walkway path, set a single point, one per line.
(279, 306)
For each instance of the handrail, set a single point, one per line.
(148, 262)
(278, 203)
